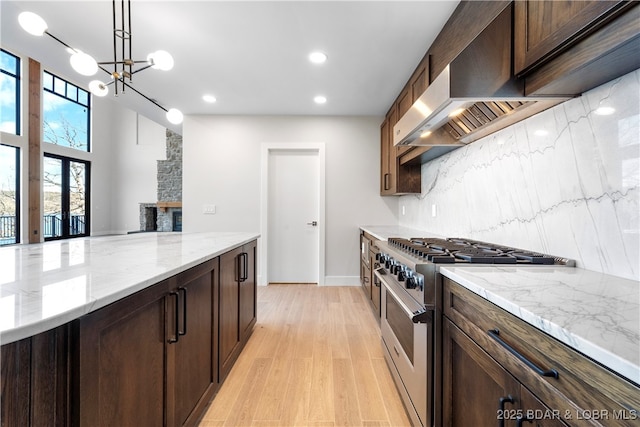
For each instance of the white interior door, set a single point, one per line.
(293, 216)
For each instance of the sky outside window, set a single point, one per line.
(9, 93)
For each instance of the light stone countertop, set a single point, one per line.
(46, 285)
(593, 313)
(383, 232)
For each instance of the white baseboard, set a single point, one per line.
(328, 281)
(342, 281)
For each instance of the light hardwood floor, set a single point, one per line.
(314, 359)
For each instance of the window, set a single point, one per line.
(66, 197)
(9, 195)
(9, 93)
(65, 113)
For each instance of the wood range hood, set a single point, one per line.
(476, 94)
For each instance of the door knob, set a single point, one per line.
(313, 223)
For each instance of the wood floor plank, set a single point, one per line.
(245, 406)
(270, 406)
(345, 394)
(368, 392)
(297, 394)
(314, 359)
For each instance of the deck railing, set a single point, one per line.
(52, 227)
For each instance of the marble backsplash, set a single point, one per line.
(564, 182)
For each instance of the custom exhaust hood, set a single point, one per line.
(476, 95)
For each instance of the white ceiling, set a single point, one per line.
(252, 56)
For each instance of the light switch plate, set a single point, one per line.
(208, 209)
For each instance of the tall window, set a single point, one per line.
(9, 195)
(65, 113)
(9, 93)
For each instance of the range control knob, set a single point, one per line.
(411, 283)
(401, 276)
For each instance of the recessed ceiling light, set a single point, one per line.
(541, 132)
(317, 57)
(320, 99)
(209, 98)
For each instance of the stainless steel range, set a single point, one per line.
(411, 309)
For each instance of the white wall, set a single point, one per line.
(125, 148)
(572, 192)
(137, 145)
(221, 156)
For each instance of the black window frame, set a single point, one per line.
(17, 76)
(65, 196)
(17, 184)
(66, 96)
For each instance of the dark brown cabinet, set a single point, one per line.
(495, 364)
(121, 360)
(229, 338)
(569, 47)
(194, 355)
(248, 289)
(395, 179)
(543, 28)
(476, 390)
(237, 304)
(150, 356)
(34, 373)
(368, 263)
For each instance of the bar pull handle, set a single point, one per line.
(501, 402)
(495, 334)
(184, 311)
(387, 186)
(177, 326)
(243, 266)
(246, 266)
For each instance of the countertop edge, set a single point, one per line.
(26, 331)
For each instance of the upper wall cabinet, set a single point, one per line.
(395, 179)
(569, 47)
(545, 27)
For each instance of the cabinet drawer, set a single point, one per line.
(584, 392)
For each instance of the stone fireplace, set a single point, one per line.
(166, 213)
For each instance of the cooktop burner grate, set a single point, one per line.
(457, 250)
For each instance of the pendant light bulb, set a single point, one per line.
(160, 60)
(174, 116)
(32, 23)
(83, 64)
(98, 88)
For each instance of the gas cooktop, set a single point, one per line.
(457, 250)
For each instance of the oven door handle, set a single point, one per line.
(421, 315)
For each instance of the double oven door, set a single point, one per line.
(408, 345)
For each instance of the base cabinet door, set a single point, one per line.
(477, 391)
(149, 359)
(229, 336)
(237, 304)
(121, 361)
(193, 356)
(248, 291)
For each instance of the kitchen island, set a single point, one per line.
(106, 330)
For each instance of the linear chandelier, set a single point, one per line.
(122, 68)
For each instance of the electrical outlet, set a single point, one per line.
(433, 210)
(208, 209)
